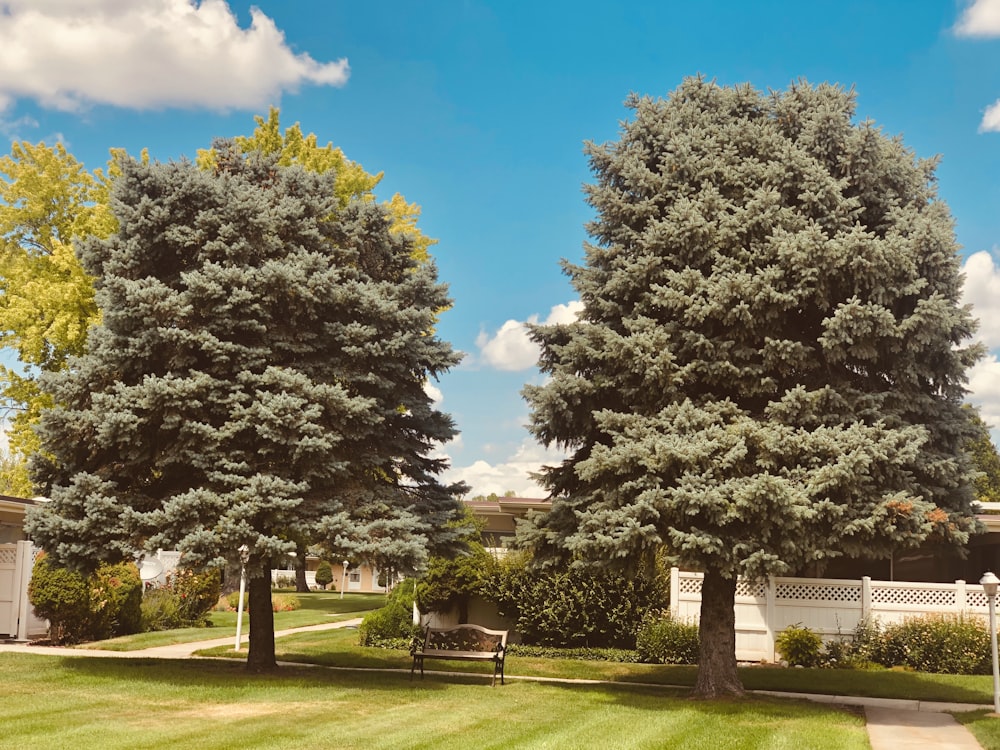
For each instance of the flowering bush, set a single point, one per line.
(946, 644)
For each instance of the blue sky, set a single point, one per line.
(478, 112)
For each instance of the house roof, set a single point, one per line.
(516, 506)
(15, 504)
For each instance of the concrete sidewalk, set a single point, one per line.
(173, 651)
(892, 724)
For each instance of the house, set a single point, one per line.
(12, 510)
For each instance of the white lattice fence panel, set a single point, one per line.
(976, 599)
(8, 554)
(690, 584)
(756, 589)
(820, 593)
(914, 597)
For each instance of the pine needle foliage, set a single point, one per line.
(257, 379)
(770, 364)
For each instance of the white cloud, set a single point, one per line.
(981, 18)
(433, 392)
(511, 348)
(513, 473)
(984, 387)
(981, 289)
(67, 54)
(991, 118)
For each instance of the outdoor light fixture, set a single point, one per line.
(989, 583)
(244, 559)
(343, 579)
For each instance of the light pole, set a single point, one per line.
(343, 579)
(244, 559)
(989, 583)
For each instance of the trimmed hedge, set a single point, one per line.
(574, 608)
(664, 640)
(85, 608)
(392, 625)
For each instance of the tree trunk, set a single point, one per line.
(717, 675)
(301, 586)
(260, 657)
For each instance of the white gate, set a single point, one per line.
(17, 618)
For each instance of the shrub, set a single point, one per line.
(663, 640)
(196, 592)
(945, 644)
(62, 596)
(450, 581)
(324, 574)
(160, 610)
(392, 625)
(285, 602)
(574, 608)
(799, 646)
(115, 600)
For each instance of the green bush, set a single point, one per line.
(574, 608)
(324, 574)
(799, 646)
(160, 610)
(450, 581)
(115, 600)
(392, 625)
(945, 644)
(663, 640)
(61, 596)
(85, 608)
(196, 592)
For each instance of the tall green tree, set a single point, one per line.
(258, 374)
(769, 367)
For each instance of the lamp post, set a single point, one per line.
(244, 559)
(989, 583)
(343, 579)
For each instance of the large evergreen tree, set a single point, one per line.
(258, 377)
(769, 367)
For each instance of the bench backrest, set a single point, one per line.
(465, 638)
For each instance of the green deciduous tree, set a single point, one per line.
(258, 374)
(48, 201)
(985, 460)
(769, 367)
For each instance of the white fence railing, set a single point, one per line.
(830, 607)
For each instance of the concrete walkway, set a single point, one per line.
(892, 724)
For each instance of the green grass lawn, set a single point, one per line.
(82, 703)
(984, 727)
(317, 608)
(339, 648)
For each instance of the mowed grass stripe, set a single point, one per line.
(83, 703)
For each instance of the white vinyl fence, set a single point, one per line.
(830, 607)
(17, 618)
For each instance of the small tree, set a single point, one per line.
(324, 574)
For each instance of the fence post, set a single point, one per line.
(769, 616)
(23, 563)
(960, 596)
(675, 592)
(866, 597)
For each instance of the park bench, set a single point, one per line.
(461, 643)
